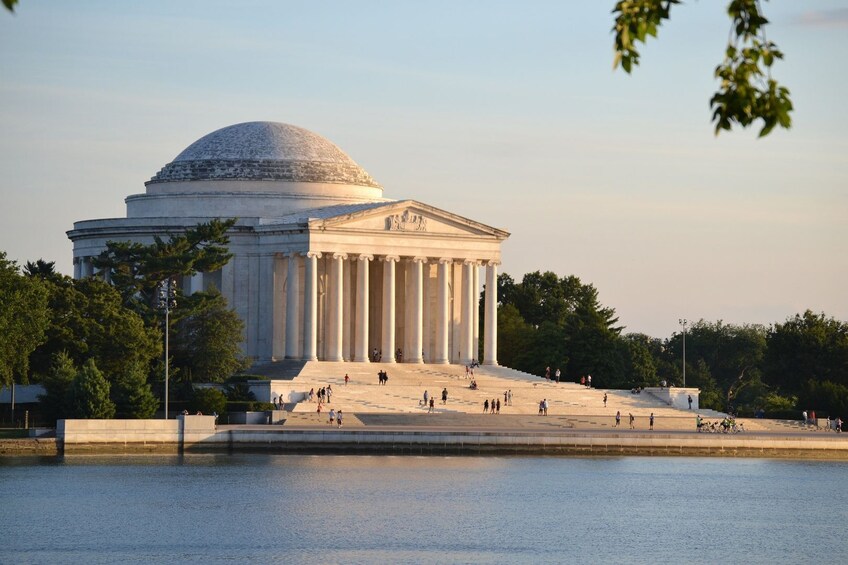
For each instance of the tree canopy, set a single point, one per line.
(23, 320)
(747, 92)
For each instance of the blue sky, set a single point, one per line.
(508, 113)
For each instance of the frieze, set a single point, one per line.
(406, 222)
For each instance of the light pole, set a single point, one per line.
(167, 301)
(684, 323)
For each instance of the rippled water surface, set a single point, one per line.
(363, 509)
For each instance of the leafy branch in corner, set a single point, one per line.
(747, 91)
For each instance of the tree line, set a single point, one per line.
(97, 346)
(801, 363)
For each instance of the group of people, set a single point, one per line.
(430, 401)
(557, 374)
(811, 419)
(324, 395)
(335, 417)
(585, 381)
(543, 407)
(631, 418)
(496, 406)
(382, 377)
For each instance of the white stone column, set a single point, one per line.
(415, 287)
(389, 262)
(426, 322)
(278, 347)
(475, 347)
(310, 301)
(348, 310)
(265, 313)
(335, 312)
(293, 307)
(87, 267)
(360, 353)
(196, 282)
(490, 335)
(442, 311)
(467, 322)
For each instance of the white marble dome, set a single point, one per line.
(255, 169)
(264, 151)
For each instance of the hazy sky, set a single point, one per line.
(505, 112)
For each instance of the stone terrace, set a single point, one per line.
(400, 402)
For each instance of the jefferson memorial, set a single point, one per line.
(324, 267)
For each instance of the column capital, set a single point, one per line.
(445, 260)
(470, 262)
(311, 254)
(341, 256)
(387, 258)
(365, 257)
(417, 259)
(289, 254)
(492, 263)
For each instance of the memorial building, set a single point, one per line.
(324, 267)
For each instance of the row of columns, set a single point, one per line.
(338, 289)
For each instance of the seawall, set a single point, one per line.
(199, 434)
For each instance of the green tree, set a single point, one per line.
(89, 321)
(747, 92)
(514, 338)
(206, 344)
(208, 401)
(136, 269)
(23, 320)
(89, 394)
(57, 386)
(132, 395)
(807, 347)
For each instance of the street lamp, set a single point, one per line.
(684, 323)
(167, 302)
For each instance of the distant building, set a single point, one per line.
(324, 267)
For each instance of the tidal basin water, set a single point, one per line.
(384, 509)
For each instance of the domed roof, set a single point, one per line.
(264, 151)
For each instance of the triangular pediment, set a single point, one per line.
(407, 217)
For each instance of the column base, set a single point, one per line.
(441, 362)
(310, 359)
(335, 359)
(491, 363)
(418, 361)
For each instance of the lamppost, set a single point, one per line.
(684, 323)
(167, 302)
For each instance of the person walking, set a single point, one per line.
(547, 373)
(589, 381)
(605, 400)
(617, 418)
(541, 407)
(339, 418)
(332, 416)
(557, 374)
(632, 419)
(347, 379)
(432, 405)
(426, 397)
(545, 406)
(493, 406)
(509, 397)
(690, 402)
(651, 421)
(499, 406)
(444, 395)
(486, 406)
